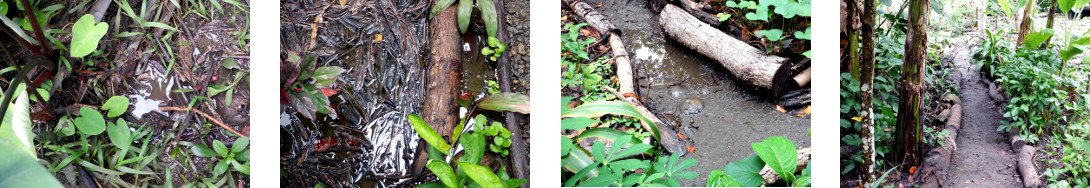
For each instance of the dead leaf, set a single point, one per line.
(343, 2)
(780, 108)
(378, 38)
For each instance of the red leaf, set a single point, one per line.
(324, 144)
(328, 92)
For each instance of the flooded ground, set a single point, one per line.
(733, 115)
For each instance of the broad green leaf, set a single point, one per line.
(599, 108)
(803, 181)
(505, 102)
(17, 129)
(116, 105)
(216, 90)
(429, 134)
(482, 175)
(780, 154)
(440, 6)
(465, 11)
(1006, 6)
(488, 14)
(760, 15)
(565, 146)
(746, 171)
(606, 134)
(200, 150)
(803, 35)
(220, 168)
(723, 16)
(1064, 4)
(219, 148)
(474, 145)
(86, 35)
(90, 121)
(564, 107)
(327, 73)
(240, 144)
(771, 35)
(577, 160)
(719, 179)
(230, 63)
(444, 172)
(20, 170)
(628, 164)
(119, 134)
(576, 123)
(1035, 39)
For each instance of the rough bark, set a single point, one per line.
(444, 79)
(907, 136)
(771, 177)
(1051, 18)
(519, 155)
(595, 20)
(746, 62)
(934, 168)
(622, 63)
(1027, 22)
(1025, 160)
(866, 93)
(697, 9)
(667, 136)
(853, 39)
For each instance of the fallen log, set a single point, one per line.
(744, 61)
(519, 155)
(667, 136)
(697, 9)
(770, 176)
(934, 168)
(444, 79)
(1025, 160)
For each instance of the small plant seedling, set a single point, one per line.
(237, 156)
(86, 34)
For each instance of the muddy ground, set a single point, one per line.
(672, 78)
(154, 69)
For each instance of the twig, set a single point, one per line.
(210, 118)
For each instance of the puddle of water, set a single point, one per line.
(732, 116)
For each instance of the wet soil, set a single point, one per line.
(983, 157)
(674, 78)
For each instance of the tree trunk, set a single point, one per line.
(1027, 22)
(444, 79)
(746, 62)
(867, 96)
(1025, 160)
(1051, 17)
(853, 40)
(907, 136)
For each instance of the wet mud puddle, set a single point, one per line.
(719, 115)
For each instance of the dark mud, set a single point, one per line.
(673, 78)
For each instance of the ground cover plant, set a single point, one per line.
(103, 93)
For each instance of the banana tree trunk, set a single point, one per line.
(907, 139)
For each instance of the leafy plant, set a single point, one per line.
(85, 35)
(501, 138)
(759, 11)
(237, 157)
(494, 48)
(300, 79)
(21, 170)
(776, 152)
(468, 166)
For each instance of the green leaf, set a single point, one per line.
(86, 35)
(576, 123)
(90, 121)
(719, 179)
(599, 108)
(444, 172)
(1061, 4)
(219, 147)
(327, 73)
(428, 134)
(780, 154)
(216, 90)
(1006, 6)
(119, 134)
(771, 35)
(606, 134)
(760, 15)
(803, 35)
(21, 170)
(17, 129)
(200, 150)
(803, 181)
(747, 171)
(505, 102)
(240, 144)
(230, 63)
(488, 14)
(440, 6)
(565, 146)
(1035, 39)
(474, 145)
(723, 16)
(220, 168)
(465, 11)
(116, 105)
(482, 175)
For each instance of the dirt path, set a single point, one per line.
(983, 158)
